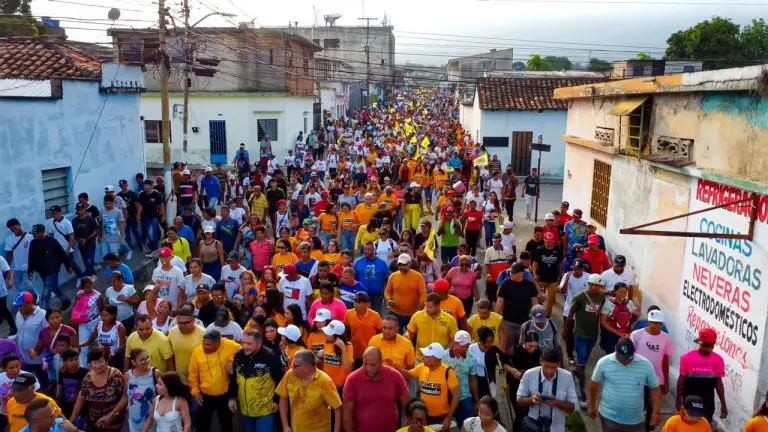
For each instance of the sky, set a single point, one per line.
(432, 31)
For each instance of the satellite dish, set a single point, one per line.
(113, 14)
(331, 19)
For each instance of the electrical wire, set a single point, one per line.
(632, 2)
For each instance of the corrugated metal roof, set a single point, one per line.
(25, 88)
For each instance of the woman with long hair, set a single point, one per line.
(293, 316)
(428, 267)
(272, 338)
(180, 245)
(124, 297)
(101, 391)
(464, 283)
(510, 194)
(273, 306)
(170, 410)
(193, 280)
(284, 254)
(491, 214)
(89, 318)
(487, 419)
(110, 334)
(139, 383)
(211, 253)
(337, 354)
(290, 344)
(333, 254)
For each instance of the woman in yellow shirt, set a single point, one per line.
(284, 255)
(180, 244)
(333, 256)
(366, 234)
(337, 354)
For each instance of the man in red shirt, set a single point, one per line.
(371, 394)
(564, 217)
(550, 227)
(473, 228)
(322, 205)
(594, 256)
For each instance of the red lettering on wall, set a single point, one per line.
(715, 194)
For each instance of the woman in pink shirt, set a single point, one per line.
(261, 250)
(464, 282)
(328, 301)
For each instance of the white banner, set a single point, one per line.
(721, 289)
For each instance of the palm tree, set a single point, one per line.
(536, 63)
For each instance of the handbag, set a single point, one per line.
(80, 310)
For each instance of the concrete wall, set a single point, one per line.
(241, 112)
(334, 97)
(729, 133)
(36, 135)
(549, 124)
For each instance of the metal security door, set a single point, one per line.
(218, 134)
(521, 152)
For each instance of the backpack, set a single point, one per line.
(80, 309)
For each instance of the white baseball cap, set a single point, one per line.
(656, 316)
(462, 337)
(208, 169)
(433, 350)
(596, 279)
(549, 216)
(404, 259)
(415, 185)
(334, 328)
(208, 229)
(149, 288)
(109, 188)
(509, 225)
(186, 172)
(291, 332)
(323, 314)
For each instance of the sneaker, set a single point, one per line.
(583, 402)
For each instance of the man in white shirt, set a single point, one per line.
(476, 196)
(296, 289)
(17, 253)
(64, 233)
(548, 392)
(618, 273)
(572, 283)
(230, 274)
(167, 278)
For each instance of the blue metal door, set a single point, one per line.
(218, 133)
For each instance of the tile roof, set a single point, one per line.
(37, 58)
(524, 94)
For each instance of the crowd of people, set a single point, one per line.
(342, 289)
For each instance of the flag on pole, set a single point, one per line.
(431, 245)
(425, 142)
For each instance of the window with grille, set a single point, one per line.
(153, 132)
(601, 186)
(56, 189)
(267, 127)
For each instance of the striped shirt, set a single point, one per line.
(623, 387)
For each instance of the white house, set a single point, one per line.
(510, 110)
(246, 84)
(68, 124)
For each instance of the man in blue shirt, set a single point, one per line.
(373, 273)
(114, 264)
(210, 184)
(575, 231)
(227, 230)
(622, 377)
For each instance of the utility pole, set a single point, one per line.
(367, 58)
(187, 52)
(164, 109)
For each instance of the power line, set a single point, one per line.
(633, 2)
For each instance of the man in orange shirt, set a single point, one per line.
(366, 209)
(450, 304)
(406, 291)
(364, 323)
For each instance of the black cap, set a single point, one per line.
(55, 209)
(620, 260)
(694, 406)
(625, 350)
(202, 287)
(517, 267)
(24, 380)
(578, 212)
(79, 206)
(222, 312)
(579, 264)
(38, 228)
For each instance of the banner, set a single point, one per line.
(481, 161)
(721, 289)
(425, 143)
(431, 244)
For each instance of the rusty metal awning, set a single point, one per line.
(626, 106)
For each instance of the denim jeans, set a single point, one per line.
(465, 410)
(88, 255)
(325, 237)
(132, 231)
(22, 283)
(213, 202)
(51, 287)
(490, 230)
(347, 240)
(447, 253)
(377, 302)
(259, 424)
(76, 268)
(84, 332)
(150, 230)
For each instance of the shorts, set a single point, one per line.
(583, 348)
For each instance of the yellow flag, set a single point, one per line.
(409, 129)
(413, 140)
(482, 160)
(429, 247)
(425, 142)
(410, 104)
(417, 156)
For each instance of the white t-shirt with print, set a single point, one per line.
(231, 279)
(168, 283)
(575, 286)
(231, 331)
(21, 253)
(611, 278)
(124, 310)
(296, 292)
(60, 230)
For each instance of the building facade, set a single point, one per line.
(638, 68)
(70, 124)
(469, 68)
(245, 85)
(348, 44)
(642, 150)
(510, 111)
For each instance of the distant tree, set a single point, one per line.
(518, 66)
(754, 41)
(10, 7)
(596, 64)
(717, 42)
(536, 63)
(20, 26)
(559, 63)
(643, 56)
